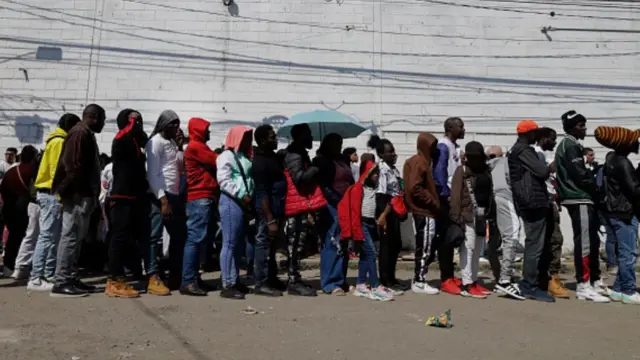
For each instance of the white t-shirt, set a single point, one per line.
(164, 165)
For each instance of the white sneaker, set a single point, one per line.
(20, 274)
(39, 285)
(631, 299)
(584, 291)
(601, 288)
(423, 288)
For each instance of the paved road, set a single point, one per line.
(35, 326)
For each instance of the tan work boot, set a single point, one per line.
(556, 289)
(119, 288)
(157, 287)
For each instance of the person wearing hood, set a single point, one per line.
(236, 206)
(580, 194)
(423, 203)
(527, 176)
(202, 193)
(164, 166)
(43, 264)
(127, 204)
(472, 205)
(622, 206)
(335, 177)
(357, 221)
(77, 182)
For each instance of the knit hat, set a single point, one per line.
(571, 118)
(614, 137)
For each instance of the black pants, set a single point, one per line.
(586, 242)
(129, 230)
(538, 228)
(495, 241)
(16, 218)
(442, 247)
(424, 253)
(390, 245)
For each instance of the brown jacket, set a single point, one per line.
(461, 208)
(78, 171)
(420, 193)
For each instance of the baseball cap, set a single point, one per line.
(525, 126)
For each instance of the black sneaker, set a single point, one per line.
(399, 286)
(509, 290)
(206, 286)
(242, 288)
(231, 293)
(84, 287)
(277, 284)
(67, 291)
(299, 288)
(192, 290)
(266, 290)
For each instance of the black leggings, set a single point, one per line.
(390, 245)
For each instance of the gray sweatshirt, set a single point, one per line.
(500, 175)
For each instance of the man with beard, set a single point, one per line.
(77, 182)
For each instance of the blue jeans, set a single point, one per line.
(177, 229)
(200, 230)
(264, 265)
(233, 226)
(367, 264)
(334, 257)
(610, 242)
(626, 232)
(44, 255)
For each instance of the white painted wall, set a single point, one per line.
(402, 65)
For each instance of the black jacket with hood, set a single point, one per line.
(129, 163)
(528, 174)
(298, 164)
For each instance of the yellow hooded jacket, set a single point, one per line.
(50, 158)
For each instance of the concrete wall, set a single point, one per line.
(402, 66)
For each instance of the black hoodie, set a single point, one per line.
(129, 167)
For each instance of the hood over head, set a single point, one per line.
(197, 128)
(234, 138)
(166, 117)
(67, 121)
(123, 118)
(368, 167)
(425, 145)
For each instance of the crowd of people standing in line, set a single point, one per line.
(457, 199)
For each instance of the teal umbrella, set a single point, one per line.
(323, 122)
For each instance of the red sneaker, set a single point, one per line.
(484, 289)
(450, 286)
(473, 291)
(458, 281)
(353, 256)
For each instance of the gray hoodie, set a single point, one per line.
(500, 176)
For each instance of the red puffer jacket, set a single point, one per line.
(200, 163)
(350, 207)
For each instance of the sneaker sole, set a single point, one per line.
(594, 301)
(67, 296)
(423, 292)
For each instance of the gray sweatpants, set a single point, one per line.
(75, 224)
(509, 227)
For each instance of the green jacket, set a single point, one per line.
(576, 184)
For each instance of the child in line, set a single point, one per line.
(357, 219)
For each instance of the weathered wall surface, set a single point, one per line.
(399, 65)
